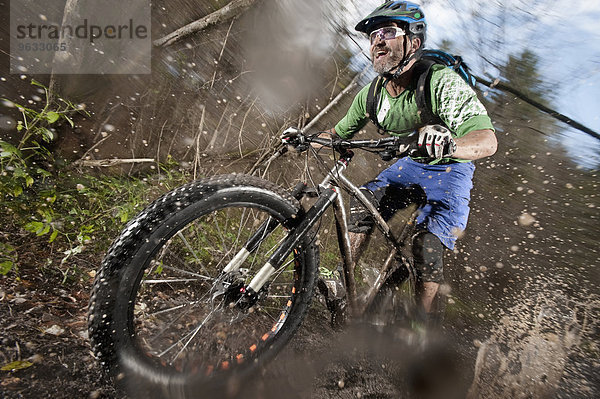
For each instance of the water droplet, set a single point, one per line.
(526, 219)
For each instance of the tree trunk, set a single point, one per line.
(63, 57)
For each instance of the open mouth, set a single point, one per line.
(380, 53)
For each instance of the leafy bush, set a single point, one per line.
(44, 198)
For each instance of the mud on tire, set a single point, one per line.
(161, 309)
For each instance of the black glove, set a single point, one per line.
(436, 142)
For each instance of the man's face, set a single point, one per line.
(386, 54)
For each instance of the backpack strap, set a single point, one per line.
(422, 73)
(373, 96)
(422, 76)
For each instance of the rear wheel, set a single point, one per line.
(394, 303)
(165, 307)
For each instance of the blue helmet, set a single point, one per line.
(408, 15)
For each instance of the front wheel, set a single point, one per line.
(166, 307)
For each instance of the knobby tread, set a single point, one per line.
(100, 323)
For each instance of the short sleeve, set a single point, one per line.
(356, 118)
(456, 103)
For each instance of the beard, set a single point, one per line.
(387, 62)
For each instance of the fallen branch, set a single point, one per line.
(497, 84)
(264, 156)
(197, 154)
(231, 10)
(112, 162)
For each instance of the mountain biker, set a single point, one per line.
(444, 170)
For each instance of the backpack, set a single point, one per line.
(422, 75)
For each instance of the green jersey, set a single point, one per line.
(452, 99)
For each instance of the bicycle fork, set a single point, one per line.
(306, 223)
(257, 238)
(291, 241)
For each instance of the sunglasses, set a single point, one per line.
(386, 33)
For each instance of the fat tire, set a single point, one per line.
(110, 315)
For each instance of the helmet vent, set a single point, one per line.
(398, 11)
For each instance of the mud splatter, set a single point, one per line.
(546, 346)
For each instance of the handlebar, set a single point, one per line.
(387, 148)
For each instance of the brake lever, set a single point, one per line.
(410, 149)
(295, 138)
(398, 150)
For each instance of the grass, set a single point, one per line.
(75, 214)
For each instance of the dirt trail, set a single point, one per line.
(43, 329)
(546, 346)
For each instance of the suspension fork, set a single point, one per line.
(259, 236)
(311, 217)
(327, 197)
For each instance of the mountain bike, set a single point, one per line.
(214, 278)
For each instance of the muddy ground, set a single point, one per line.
(546, 346)
(43, 335)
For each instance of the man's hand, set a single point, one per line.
(436, 141)
(290, 132)
(328, 135)
(294, 139)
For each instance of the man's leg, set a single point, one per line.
(428, 254)
(357, 244)
(427, 293)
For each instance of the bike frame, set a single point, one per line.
(336, 178)
(329, 194)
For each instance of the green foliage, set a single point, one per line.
(20, 163)
(8, 258)
(72, 212)
(325, 272)
(525, 127)
(77, 214)
(521, 71)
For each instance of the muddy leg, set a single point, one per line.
(426, 294)
(357, 244)
(428, 253)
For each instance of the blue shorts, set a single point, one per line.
(448, 189)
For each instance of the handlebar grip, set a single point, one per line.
(391, 146)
